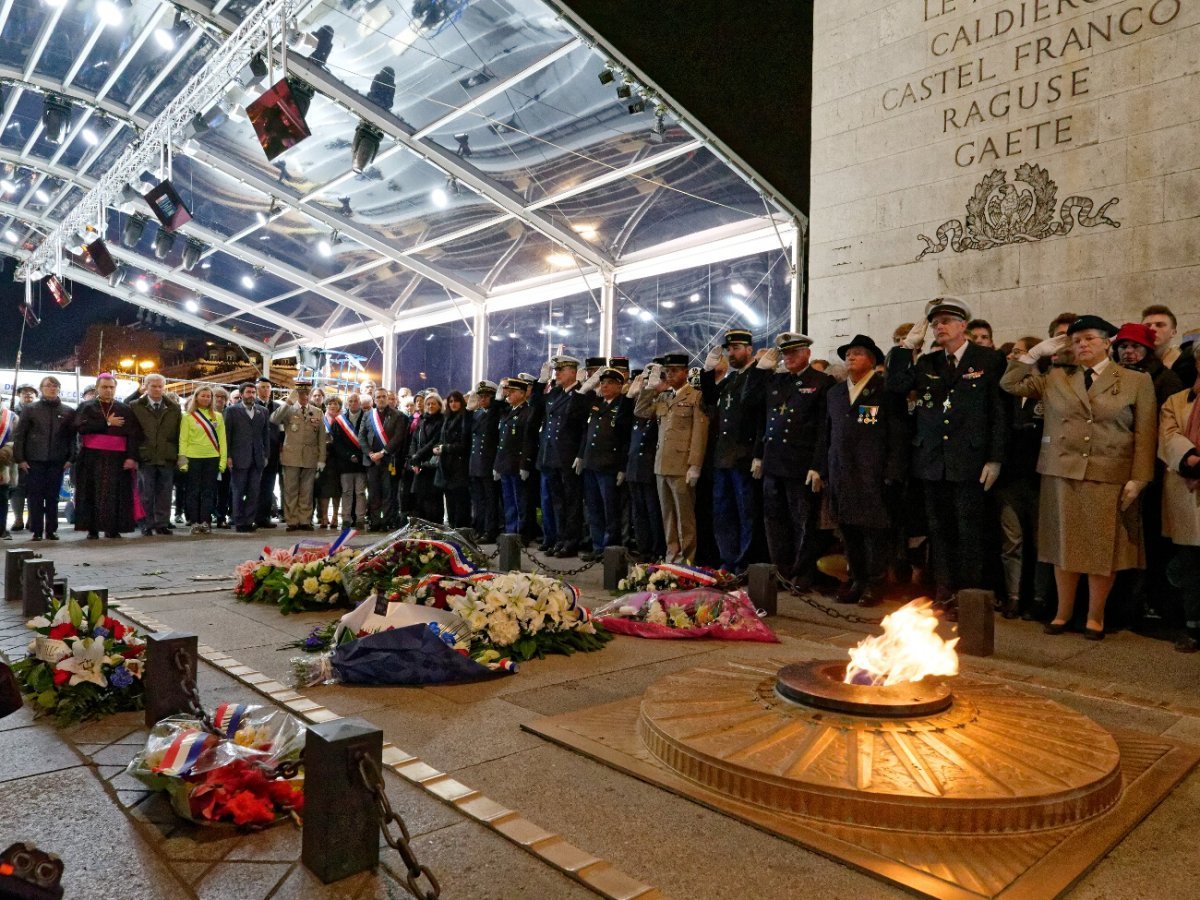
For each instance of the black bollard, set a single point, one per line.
(13, 561)
(341, 824)
(59, 589)
(470, 535)
(509, 546)
(37, 587)
(762, 587)
(976, 622)
(167, 688)
(616, 567)
(81, 595)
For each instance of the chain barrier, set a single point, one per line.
(828, 610)
(372, 779)
(45, 577)
(561, 573)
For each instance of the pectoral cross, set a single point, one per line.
(781, 408)
(946, 405)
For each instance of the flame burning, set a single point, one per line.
(908, 650)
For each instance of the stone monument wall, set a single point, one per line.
(1029, 156)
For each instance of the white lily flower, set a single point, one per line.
(87, 656)
(38, 622)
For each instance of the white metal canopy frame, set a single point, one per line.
(466, 157)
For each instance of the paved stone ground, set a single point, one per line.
(130, 839)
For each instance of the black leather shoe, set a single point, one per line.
(1093, 634)
(244, 529)
(266, 525)
(852, 594)
(165, 530)
(36, 537)
(1054, 627)
(52, 536)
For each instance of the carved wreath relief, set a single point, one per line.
(1001, 213)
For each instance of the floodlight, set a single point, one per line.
(134, 229)
(56, 118)
(383, 88)
(365, 146)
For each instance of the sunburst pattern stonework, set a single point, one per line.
(1001, 213)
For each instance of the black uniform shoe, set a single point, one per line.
(52, 536)
(166, 529)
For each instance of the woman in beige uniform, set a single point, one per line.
(1097, 455)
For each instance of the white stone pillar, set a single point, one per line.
(798, 317)
(387, 371)
(479, 346)
(608, 312)
(267, 358)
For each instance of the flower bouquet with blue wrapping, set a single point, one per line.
(82, 663)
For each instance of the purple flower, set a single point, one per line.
(120, 677)
(100, 632)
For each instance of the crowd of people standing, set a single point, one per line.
(944, 458)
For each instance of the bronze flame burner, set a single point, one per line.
(820, 684)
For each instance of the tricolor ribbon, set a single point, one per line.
(689, 572)
(209, 429)
(346, 535)
(377, 424)
(344, 424)
(228, 718)
(183, 753)
(8, 417)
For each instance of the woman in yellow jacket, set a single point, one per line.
(202, 454)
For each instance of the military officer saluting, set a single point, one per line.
(516, 450)
(563, 416)
(485, 432)
(736, 412)
(682, 438)
(644, 509)
(959, 441)
(602, 455)
(790, 428)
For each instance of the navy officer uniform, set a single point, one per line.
(602, 454)
(516, 452)
(790, 429)
(863, 455)
(959, 439)
(644, 509)
(736, 413)
(485, 433)
(563, 414)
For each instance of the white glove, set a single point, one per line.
(813, 480)
(1129, 493)
(653, 375)
(495, 475)
(524, 474)
(693, 475)
(182, 463)
(713, 359)
(1045, 348)
(590, 385)
(577, 466)
(320, 467)
(620, 478)
(756, 468)
(635, 387)
(991, 471)
(544, 374)
(769, 360)
(916, 335)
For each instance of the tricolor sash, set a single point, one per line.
(377, 424)
(228, 718)
(325, 419)
(183, 753)
(209, 429)
(344, 424)
(6, 429)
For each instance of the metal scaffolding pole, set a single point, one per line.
(479, 347)
(608, 312)
(387, 371)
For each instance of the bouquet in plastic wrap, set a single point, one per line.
(416, 551)
(308, 576)
(698, 613)
(403, 644)
(673, 577)
(231, 776)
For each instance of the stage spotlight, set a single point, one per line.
(365, 146)
(164, 243)
(326, 244)
(453, 186)
(168, 38)
(258, 66)
(464, 145)
(607, 76)
(191, 305)
(324, 38)
(56, 118)
(134, 229)
(625, 91)
(345, 210)
(192, 251)
(117, 276)
(112, 12)
(383, 88)
(141, 285)
(637, 106)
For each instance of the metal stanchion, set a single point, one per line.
(976, 622)
(509, 547)
(170, 676)
(763, 587)
(37, 587)
(616, 567)
(13, 561)
(341, 827)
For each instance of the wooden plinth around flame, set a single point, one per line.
(1001, 793)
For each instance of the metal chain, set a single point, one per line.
(562, 573)
(372, 779)
(828, 610)
(45, 577)
(191, 693)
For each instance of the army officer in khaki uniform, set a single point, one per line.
(1097, 455)
(682, 437)
(302, 456)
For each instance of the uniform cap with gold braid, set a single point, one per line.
(790, 340)
(566, 362)
(949, 306)
(611, 374)
(738, 336)
(486, 387)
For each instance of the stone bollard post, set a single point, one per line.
(762, 587)
(616, 567)
(976, 622)
(509, 546)
(341, 823)
(81, 595)
(37, 587)
(59, 589)
(14, 560)
(168, 690)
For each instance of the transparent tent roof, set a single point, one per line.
(508, 170)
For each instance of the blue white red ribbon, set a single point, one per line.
(209, 429)
(377, 424)
(347, 534)
(183, 753)
(344, 424)
(228, 718)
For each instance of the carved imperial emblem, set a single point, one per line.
(1001, 213)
